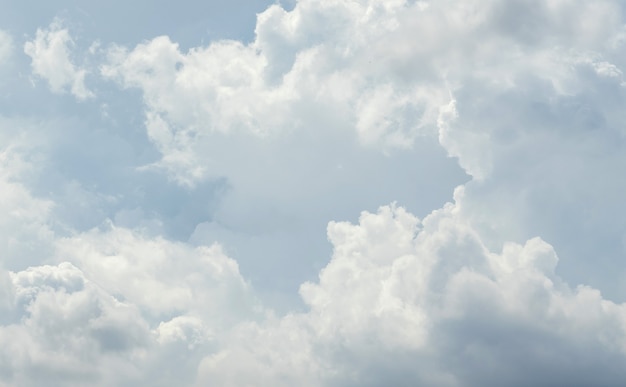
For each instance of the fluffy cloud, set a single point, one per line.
(405, 301)
(50, 55)
(525, 95)
(324, 113)
(214, 89)
(107, 306)
(402, 300)
(263, 121)
(272, 85)
(127, 310)
(368, 66)
(65, 320)
(161, 277)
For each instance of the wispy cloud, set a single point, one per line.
(51, 60)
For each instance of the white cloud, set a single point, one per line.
(405, 302)
(108, 306)
(528, 96)
(494, 81)
(294, 67)
(217, 88)
(64, 322)
(402, 301)
(362, 59)
(127, 310)
(50, 55)
(161, 277)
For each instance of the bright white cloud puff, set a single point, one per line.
(516, 280)
(50, 55)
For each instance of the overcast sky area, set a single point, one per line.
(313, 193)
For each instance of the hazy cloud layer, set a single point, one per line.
(157, 223)
(6, 46)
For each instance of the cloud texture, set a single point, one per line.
(168, 259)
(50, 55)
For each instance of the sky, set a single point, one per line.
(313, 192)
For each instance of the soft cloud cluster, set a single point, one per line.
(370, 67)
(118, 309)
(408, 302)
(273, 85)
(51, 60)
(516, 280)
(526, 95)
(108, 306)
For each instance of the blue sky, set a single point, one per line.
(323, 193)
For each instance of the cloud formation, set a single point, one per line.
(514, 278)
(118, 309)
(524, 96)
(408, 302)
(51, 60)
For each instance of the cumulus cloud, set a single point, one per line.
(50, 54)
(107, 306)
(270, 86)
(402, 300)
(512, 90)
(65, 321)
(524, 94)
(408, 302)
(368, 65)
(516, 281)
(161, 277)
(211, 89)
(118, 308)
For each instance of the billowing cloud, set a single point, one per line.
(109, 305)
(114, 307)
(63, 321)
(51, 60)
(369, 66)
(408, 302)
(513, 278)
(161, 277)
(513, 90)
(272, 86)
